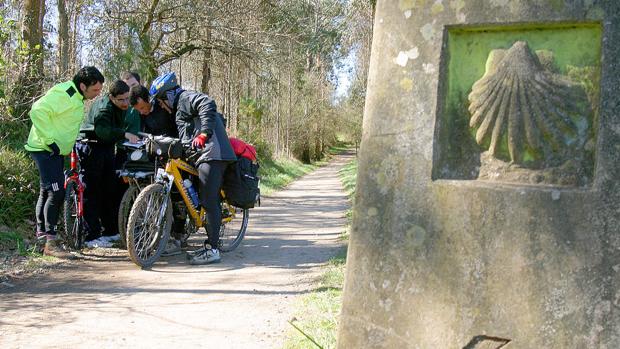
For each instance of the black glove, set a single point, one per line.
(54, 148)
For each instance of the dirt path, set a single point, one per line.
(243, 302)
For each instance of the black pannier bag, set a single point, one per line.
(167, 147)
(241, 183)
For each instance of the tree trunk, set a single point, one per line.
(278, 116)
(63, 39)
(28, 84)
(228, 98)
(32, 33)
(180, 59)
(75, 57)
(290, 99)
(206, 65)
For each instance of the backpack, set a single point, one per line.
(241, 177)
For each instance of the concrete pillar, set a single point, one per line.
(473, 235)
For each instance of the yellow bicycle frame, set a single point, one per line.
(174, 168)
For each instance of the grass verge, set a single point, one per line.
(278, 173)
(19, 185)
(315, 322)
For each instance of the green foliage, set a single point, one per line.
(348, 176)
(252, 113)
(18, 188)
(250, 108)
(12, 241)
(13, 133)
(320, 310)
(7, 29)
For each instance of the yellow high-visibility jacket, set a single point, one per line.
(56, 118)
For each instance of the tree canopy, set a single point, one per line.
(270, 64)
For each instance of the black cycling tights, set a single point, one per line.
(211, 174)
(52, 190)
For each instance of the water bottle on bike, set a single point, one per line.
(187, 184)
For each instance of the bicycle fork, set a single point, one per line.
(166, 180)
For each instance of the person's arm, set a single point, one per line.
(133, 123)
(43, 111)
(207, 113)
(105, 130)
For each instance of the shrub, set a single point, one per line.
(18, 188)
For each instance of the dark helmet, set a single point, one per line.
(162, 84)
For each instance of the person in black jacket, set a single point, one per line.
(200, 125)
(155, 119)
(104, 125)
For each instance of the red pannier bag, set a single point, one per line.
(243, 149)
(241, 181)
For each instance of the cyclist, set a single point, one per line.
(133, 124)
(131, 78)
(200, 124)
(56, 119)
(105, 125)
(155, 119)
(132, 117)
(159, 122)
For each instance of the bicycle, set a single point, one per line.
(73, 215)
(150, 219)
(137, 172)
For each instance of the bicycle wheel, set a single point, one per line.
(234, 225)
(149, 224)
(72, 234)
(129, 197)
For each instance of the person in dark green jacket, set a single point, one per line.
(133, 124)
(56, 119)
(105, 125)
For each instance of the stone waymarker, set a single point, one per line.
(488, 203)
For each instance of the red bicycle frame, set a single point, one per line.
(73, 175)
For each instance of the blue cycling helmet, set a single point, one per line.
(162, 84)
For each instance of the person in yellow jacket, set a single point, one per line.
(56, 119)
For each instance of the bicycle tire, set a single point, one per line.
(73, 235)
(232, 231)
(129, 197)
(146, 234)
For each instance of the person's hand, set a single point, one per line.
(132, 138)
(199, 141)
(54, 149)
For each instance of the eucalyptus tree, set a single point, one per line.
(30, 52)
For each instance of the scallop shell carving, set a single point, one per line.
(520, 101)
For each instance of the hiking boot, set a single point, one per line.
(206, 256)
(173, 248)
(52, 248)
